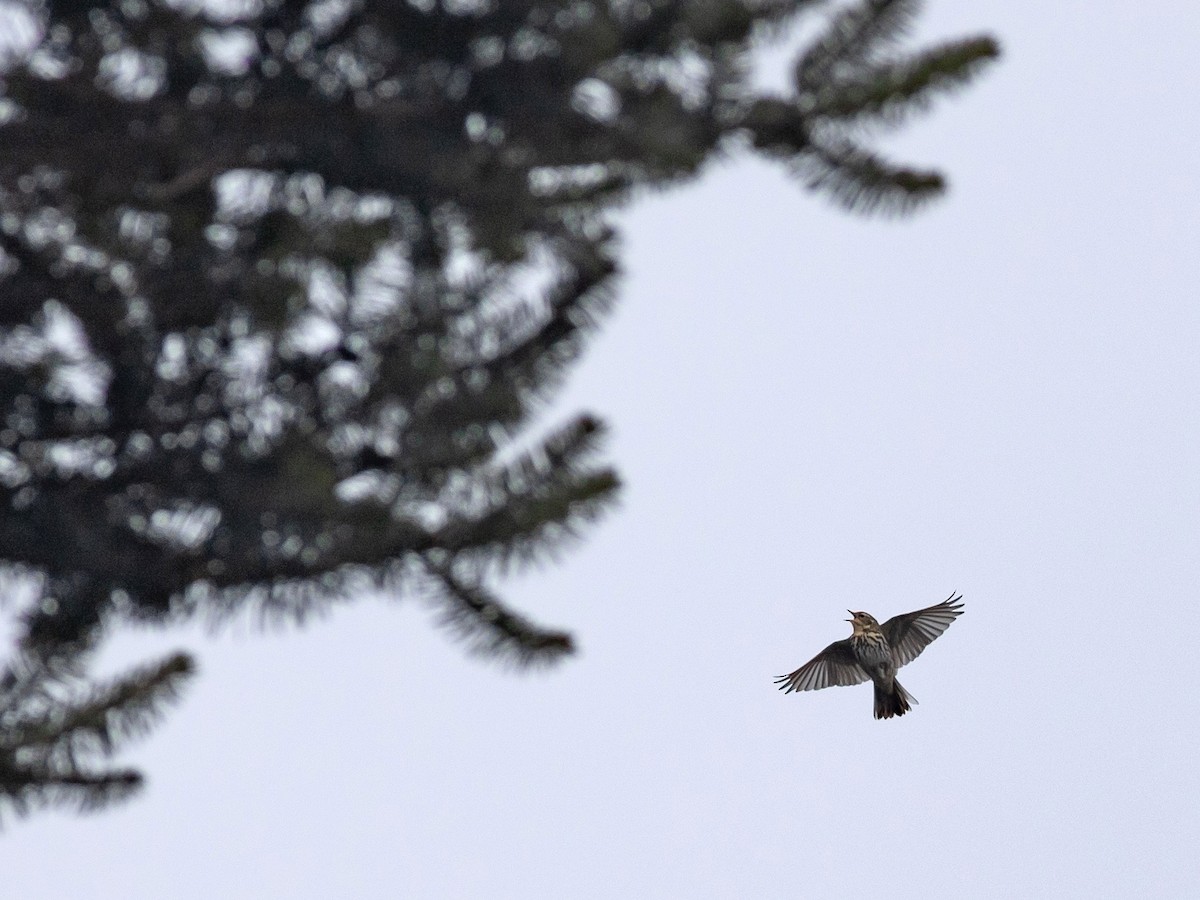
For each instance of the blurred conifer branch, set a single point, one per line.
(58, 728)
(854, 76)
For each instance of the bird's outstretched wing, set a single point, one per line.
(912, 632)
(834, 665)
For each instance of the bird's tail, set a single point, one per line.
(895, 702)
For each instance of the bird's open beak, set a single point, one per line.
(851, 619)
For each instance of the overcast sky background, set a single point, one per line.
(812, 411)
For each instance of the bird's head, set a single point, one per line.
(862, 622)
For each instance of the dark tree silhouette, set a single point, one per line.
(281, 283)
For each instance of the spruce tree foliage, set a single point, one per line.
(283, 284)
(57, 726)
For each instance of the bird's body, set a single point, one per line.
(873, 653)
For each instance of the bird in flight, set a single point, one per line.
(873, 653)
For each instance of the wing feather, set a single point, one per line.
(912, 632)
(834, 665)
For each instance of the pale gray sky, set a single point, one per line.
(812, 412)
